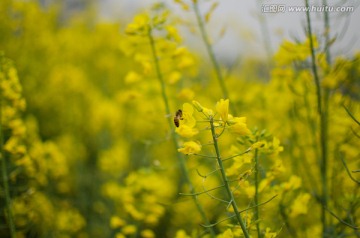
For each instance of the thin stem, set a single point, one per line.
(265, 33)
(241, 211)
(231, 157)
(205, 156)
(226, 181)
(327, 33)
(225, 219)
(342, 221)
(313, 59)
(351, 115)
(4, 174)
(325, 113)
(323, 125)
(256, 198)
(211, 54)
(199, 193)
(347, 170)
(173, 135)
(258, 205)
(212, 196)
(207, 175)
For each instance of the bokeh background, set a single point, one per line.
(89, 148)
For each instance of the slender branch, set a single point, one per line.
(323, 124)
(226, 181)
(355, 133)
(199, 193)
(242, 177)
(342, 221)
(313, 59)
(256, 197)
(211, 53)
(212, 196)
(231, 157)
(348, 171)
(351, 115)
(327, 33)
(205, 156)
(222, 130)
(173, 135)
(265, 33)
(214, 224)
(207, 175)
(241, 211)
(258, 205)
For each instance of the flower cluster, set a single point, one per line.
(187, 129)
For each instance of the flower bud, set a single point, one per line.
(197, 106)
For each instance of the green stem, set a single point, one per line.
(174, 136)
(327, 33)
(313, 59)
(211, 54)
(256, 198)
(323, 126)
(5, 177)
(226, 181)
(265, 33)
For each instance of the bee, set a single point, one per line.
(178, 117)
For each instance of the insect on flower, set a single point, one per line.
(178, 117)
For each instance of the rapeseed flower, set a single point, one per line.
(300, 205)
(187, 122)
(238, 126)
(140, 25)
(186, 131)
(222, 107)
(190, 147)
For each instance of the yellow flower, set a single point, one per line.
(293, 183)
(208, 112)
(269, 234)
(132, 77)
(183, 5)
(186, 131)
(147, 233)
(172, 33)
(129, 230)
(70, 221)
(139, 25)
(174, 77)
(227, 234)
(181, 234)
(197, 106)
(116, 222)
(185, 62)
(187, 114)
(186, 94)
(238, 126)
(222, 107)
(300, 205)
(258, 145)
(190, 147)
(119, 235)
(247, 188)
(276, 145)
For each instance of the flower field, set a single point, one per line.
(122, 130)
